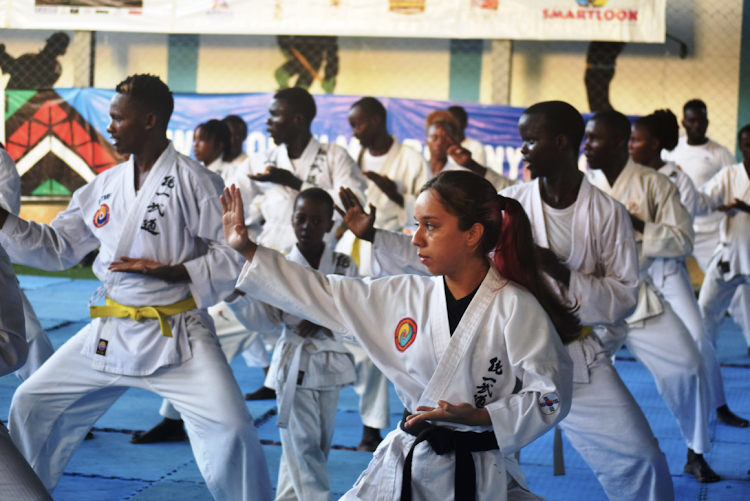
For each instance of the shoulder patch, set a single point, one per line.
(406, 333)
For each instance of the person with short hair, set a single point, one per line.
(163, 260)
(475, 147)
(651, 136)
(655, 334)
(728, 192)
(456, 345)
(237, 136)
(310, 363)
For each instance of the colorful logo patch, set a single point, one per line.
(549, 403)
(101, 348)
(102, 216)
(406, 333)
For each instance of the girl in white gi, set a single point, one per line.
(650, 136)
(727, 192)
(310, 364)
(468, 347)
(17, 480)
(446, 152)
(655, 334)
(163, 259)
(40, 346)
(395, 174)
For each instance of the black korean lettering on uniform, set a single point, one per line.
(150, 226)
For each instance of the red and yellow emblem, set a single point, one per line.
(102, 216)
(406, 333)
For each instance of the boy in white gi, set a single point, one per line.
(299, 162)
(17, 480)
(475, 147)
(655, 334)
(446, 152)
(310, 364)
(163, 260)
(455, 345)
(651, 135)
(727, 192)
(701, 158)
(395, 174)
(39, 345)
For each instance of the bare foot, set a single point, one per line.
(169, 430)
(698, 467)
(262, 393)
(724, 415)
(370, 439)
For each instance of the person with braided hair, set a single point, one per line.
(458, 346)
(650, 136)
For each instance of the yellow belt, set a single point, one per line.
(117, 310)
(585, 331)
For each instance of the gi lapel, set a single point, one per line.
(462, 338)
(307, 168)
(580, 230)
(538, 227)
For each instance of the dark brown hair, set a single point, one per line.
(507, 236)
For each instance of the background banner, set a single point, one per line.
(604, 20)
(59, 138)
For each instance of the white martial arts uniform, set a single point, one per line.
(318, 367)
(402, 323)
(40, 346)
(175, 218)
(594, 239)
(477, 150)
(730, 266)
(656, 335)
(672, 280)
(17, 480)
(408, 169)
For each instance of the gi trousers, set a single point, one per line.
(716, 295)
(372, 387)
(53, 410)
(678, 291)
(306, 443)
(664, 345)
(40, 347)
(609, 430)
(17, 480)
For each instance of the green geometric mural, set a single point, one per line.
(16, 99)
(50, 187)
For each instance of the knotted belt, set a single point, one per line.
(442, 440)
(137, 313)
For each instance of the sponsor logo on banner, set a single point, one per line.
(549, 403)
(102, 216)
(485, 4)
(220, 8)
(591, 10)
(406, 333)
(407, 6)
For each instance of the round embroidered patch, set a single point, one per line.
(549, 403)
(406, 333)
(102, 216)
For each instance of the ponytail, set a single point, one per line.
(507, 237)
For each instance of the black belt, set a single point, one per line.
(442, 440)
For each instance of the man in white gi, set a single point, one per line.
(310, 363)
(728, 192)
(475, 147)
(655, 334)
(587, 248)
(39, 345)
(278, 175)
(702, 158)
(163, 259)
(395, 174)
(17, 480)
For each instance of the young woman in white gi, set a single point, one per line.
(655, 334)
(468, 348)
(650, 137)
(395, 173)
(162, 259)
(310, 364)
(17, 480)
(40, 346)
(727, 192)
